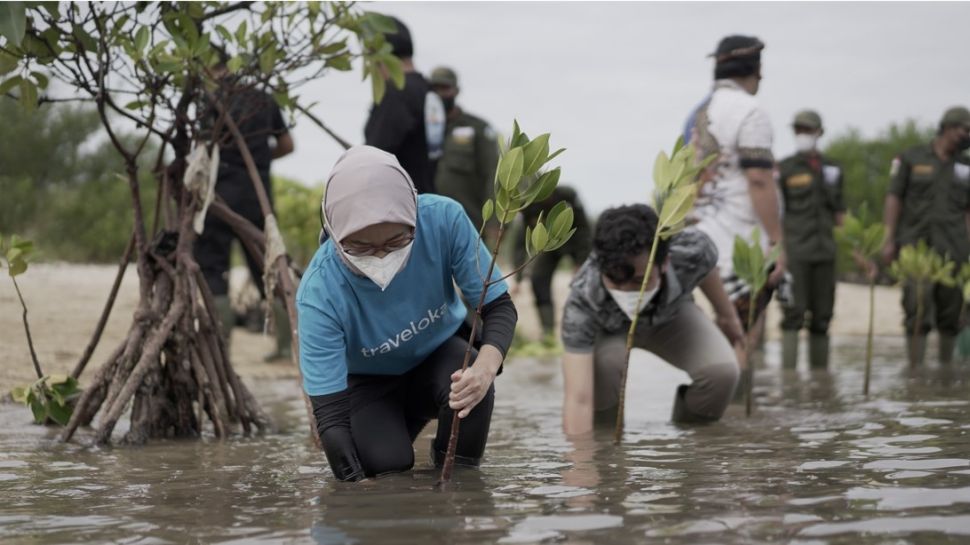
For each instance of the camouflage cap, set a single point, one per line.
(808, 119)
(443, 75)
(957, 115)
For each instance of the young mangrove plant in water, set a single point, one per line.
(752, 266)
(864, 238)
(50, 398)
(963, 282)
(518, 183)
(675, 190)
(921, 267)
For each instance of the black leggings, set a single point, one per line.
(388, 412)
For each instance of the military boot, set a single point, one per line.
(281, 325)
(681, 414)
(818, 351)
(789, 349)
(947, 344)
(916, 349)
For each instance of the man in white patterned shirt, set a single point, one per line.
(739, 192)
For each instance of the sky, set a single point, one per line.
(614, 82)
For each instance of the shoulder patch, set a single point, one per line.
(894, 167)
(463, 135)
(961, 171)
(799, 180)
(831, 174)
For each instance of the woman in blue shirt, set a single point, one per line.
(382, 334)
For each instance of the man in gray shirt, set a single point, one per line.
(603, 300)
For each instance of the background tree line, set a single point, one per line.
(59, 187)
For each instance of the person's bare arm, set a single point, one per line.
(284, 145)
(890, 217)
(577, 411)
(726, 316)
(764, 199)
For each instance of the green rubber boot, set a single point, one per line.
(916, 349)
(226, 315)
(947, 344)
(818, 351)
(789, 349)
(281, 325)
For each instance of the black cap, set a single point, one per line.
(401, 45)
(737, 56)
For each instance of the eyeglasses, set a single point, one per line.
(395, 243)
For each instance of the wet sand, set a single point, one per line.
(65, 301)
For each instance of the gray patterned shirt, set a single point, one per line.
(591, 312)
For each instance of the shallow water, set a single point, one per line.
(817, 463)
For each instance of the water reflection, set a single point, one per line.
(816, 463)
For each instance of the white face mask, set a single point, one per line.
(805, 142)
(627, 300)
(381, 270)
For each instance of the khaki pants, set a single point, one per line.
(691, 342)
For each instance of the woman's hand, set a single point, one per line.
(468, 387)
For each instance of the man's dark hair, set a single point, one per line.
(623, 233)
(401, 45)
(737, 57)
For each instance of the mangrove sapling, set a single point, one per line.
(156, 66)
(752, 266)
(50, 398)
(675, 189)
(518, 183)
(864, 239)
(963, 340)
(921, 267)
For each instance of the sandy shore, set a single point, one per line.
(65, 301)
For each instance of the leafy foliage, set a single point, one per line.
(751, 264)
(50, 397)
(16, 253)
(861, 234)
(866, 162)
(922, 265)
(297, 208)
(521, 182)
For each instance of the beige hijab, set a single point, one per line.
(367, 186)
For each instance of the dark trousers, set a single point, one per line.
(388, 412)
(813, 290)
(941, 305)
(213, 246)
(543, 269)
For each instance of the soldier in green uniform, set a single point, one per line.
(466, 170)
(929, 199)
(544, 267)
(811, 187)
